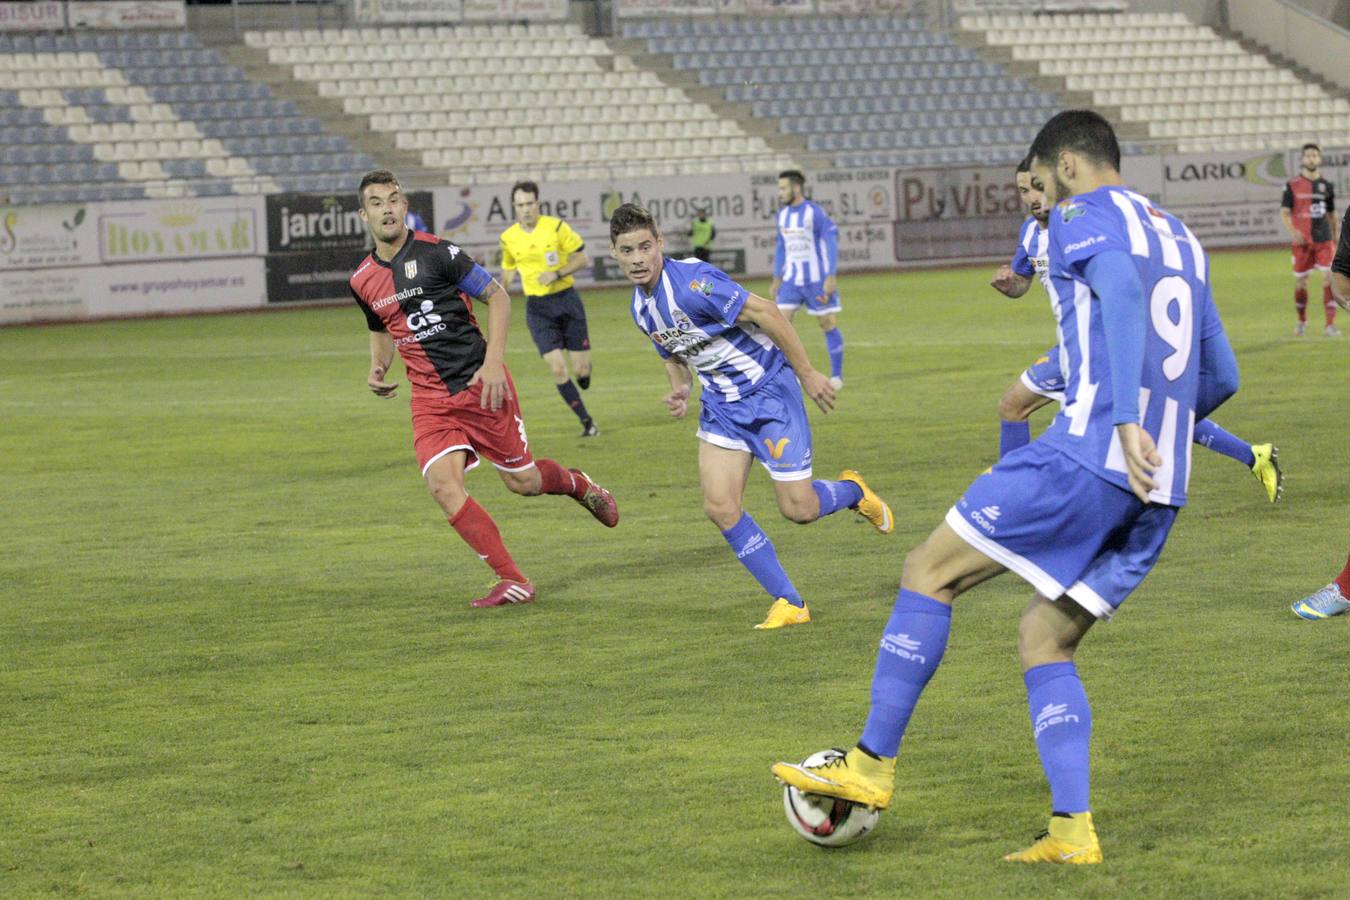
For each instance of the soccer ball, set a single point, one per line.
(827, 821)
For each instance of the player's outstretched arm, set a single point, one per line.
(493, 371)
(681, 383)
(381, 358)
(773, 323)
(1009, 283)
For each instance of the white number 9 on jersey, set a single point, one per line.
(1177, 333)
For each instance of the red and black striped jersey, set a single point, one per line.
(1309, 201)
(423, 298)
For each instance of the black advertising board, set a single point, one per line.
(298, 223)
(316, 275)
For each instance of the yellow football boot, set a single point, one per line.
(1267, 470)
(870, 507)
(855, 776)
(1070, 841)
(783, 614)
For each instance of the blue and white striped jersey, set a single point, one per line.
(692, 316)
(1179, 313)
(808, 244)
(1032, 256)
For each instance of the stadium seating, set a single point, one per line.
(865, 91)
(1190, 88)
(90, 116)
(485, 105)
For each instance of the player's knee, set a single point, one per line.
(919, 573)
(1010, 409)
(448, 495)
(722, 513)
(1039, 645)
(527, 483)
(801, 510)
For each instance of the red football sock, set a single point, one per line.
(554, 479)
(479, 531)
(1329, 304)
(1343, 580)
(1301, 303)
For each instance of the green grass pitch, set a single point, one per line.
(237, 657)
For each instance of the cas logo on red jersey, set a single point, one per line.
(410, 269)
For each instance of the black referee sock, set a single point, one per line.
(573, 399)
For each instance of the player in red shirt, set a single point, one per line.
(1308, 211)
(417, 292)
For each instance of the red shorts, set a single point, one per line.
(452, 422)
(1310, 256)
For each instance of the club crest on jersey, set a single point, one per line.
(704, 286)
(410, 269)
(1070, 211)
(682, 322)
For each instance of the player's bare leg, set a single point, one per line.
(580, 361)
(944, 566)
(549, 477)
(557, 366)
(797, 500)
(445, 480)
(723, 474)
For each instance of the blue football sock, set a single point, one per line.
(1207, 434)
(1012, 435)
(1062, 723)
(911, 648)
(756, 553)
(836, 495)
(834, 343)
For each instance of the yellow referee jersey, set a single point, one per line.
(544, 249)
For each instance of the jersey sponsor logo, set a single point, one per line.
(1070, 211)
(777, 447)
(1053, 714)
(410, 269)
(903, 646)
(397, 298)
(672, 340)
(703, 287)
(423, 317)
(1087, 242)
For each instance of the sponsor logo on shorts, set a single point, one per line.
(1053, 714)
(777, 447)
(986, 517)
(903, 646)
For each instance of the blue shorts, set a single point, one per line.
(791, 296)
(1061, 528)
(557, 322)
(1045, 376)
(769, 423)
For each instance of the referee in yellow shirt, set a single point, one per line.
(547, 252)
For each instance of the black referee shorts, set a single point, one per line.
(557, 322)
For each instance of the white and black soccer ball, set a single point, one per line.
(827, 821)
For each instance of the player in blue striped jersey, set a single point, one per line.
(805, 260)
(748, 359)
(1043, 380)
(1081, 514)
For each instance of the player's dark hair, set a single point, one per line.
(630, 217)
(1310, 146)
(1080, 130)
(528, 187)
(378, 176)
(794, 176)
(1024, 165)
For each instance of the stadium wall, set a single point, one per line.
(1312, 42)
(100, 260)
